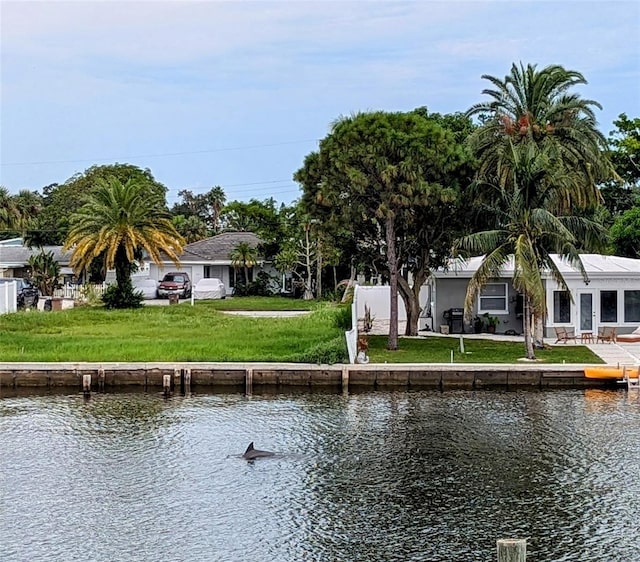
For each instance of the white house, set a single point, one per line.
(609, 297)
(211, 258)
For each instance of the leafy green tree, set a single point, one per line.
(540, 158)
(625, 234)
(622, 192)
(117, 222)
(191, 228)
(61, 201)
(206, 207)
(379, 173)
(263, 218)
(45, 271)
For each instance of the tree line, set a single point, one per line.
(526, 172)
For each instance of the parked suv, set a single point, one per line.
(175, 283)
(26, 293)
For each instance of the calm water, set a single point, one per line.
(422, 476)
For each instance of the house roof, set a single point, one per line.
(18, 256)
(218, 248)
(596, 265)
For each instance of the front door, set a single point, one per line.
(586, 312)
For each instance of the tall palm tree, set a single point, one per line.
(534, 109)
(542, 155)
(117, 222)
(528, 232)
(246, 256)
(216, 199)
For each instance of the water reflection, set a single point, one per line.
(372, 476)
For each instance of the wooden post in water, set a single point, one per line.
(86, 384)
(101, 378)
(512, 550)
(186, 378)
(166, 385)
(345, 378)
(248, 382)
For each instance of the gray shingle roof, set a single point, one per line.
(19, 255)
(218, 248)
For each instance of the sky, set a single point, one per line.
(236, 94)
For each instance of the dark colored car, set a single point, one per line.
(175, 283)
(26, 294)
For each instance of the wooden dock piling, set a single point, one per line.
(512, 550)
(166, 385)
(248, 382)
(86, 384)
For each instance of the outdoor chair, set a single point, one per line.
(606, 334)
(564, 334)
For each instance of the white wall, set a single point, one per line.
(8, 297)
(377, 299)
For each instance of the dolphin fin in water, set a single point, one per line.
(251, 453)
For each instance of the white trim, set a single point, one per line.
(505, 310)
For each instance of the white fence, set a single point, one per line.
(8, 297)
(80, 292)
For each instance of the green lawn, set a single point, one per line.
(434, 349)
(204, 333)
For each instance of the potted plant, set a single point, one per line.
(478, 325)
(491, 322)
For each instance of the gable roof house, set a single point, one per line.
(609, 298)
(14, 258)
(210, 258)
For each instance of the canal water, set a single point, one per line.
(378, 476)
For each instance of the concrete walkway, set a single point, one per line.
(617, 353)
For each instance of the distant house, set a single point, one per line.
(209, 258)
(14, 259)
(610, 297)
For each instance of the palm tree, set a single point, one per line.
(539, 150)
(534, 109)
(216, 198)
(10, 217)
(528, 232)
(117, 222)
(246, 256)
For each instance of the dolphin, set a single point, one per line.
(251, 453)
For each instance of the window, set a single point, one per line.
(493, 298)
(632, 306)
(608, 306)
(561, 307)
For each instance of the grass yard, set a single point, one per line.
(167, 333)
(204, 333)
(435, 349)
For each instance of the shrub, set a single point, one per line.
(125, 297)
(261, 287)
(342, 318)
(329, 352)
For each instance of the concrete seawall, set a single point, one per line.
(106, 376)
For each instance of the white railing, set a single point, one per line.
(80, 292)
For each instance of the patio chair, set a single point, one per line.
(606, 334)
(564, 334)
